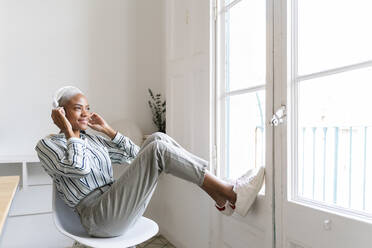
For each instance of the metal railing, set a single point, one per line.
(332, 165)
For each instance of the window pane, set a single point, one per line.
(335, 139)
(245, 44)
(333, 33)
(245, 132)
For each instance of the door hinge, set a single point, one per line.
(278, 116)
(214, 159)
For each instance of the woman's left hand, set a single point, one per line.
(97, 123)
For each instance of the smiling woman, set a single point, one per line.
(72, 113)
(80, 166)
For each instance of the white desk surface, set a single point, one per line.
(19, 158)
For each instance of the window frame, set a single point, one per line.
(219, 88)
(294, 81)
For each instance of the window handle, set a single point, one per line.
(278, 116)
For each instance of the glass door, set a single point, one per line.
(329, 129)
(244, 65)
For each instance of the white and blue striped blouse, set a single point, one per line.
(80, 165)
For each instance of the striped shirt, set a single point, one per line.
(80, 165)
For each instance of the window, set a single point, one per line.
(332, 85)
(241, 59)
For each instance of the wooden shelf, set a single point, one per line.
(8, 188)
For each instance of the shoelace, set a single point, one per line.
(245, 180)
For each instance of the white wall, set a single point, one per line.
(150, 55)
(128, 59)
(113, 50)
(183, 211)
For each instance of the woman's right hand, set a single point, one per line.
(60, 119)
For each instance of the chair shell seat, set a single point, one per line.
(68, 223)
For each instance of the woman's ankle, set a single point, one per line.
(231, 195)
(221, 203)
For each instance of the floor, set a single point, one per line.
(156, 242)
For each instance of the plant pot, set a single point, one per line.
(145, 137)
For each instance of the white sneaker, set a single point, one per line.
(246, 188)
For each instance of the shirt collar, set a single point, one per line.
(82, 134)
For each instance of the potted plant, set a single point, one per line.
(157, 107)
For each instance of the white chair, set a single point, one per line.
(68, 223)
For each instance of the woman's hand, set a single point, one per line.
(97, 123)
(60, 119)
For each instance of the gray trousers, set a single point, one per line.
(112, 209)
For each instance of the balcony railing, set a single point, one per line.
(333, 165)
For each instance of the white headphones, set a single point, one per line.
(66, 91)
(55, 103)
